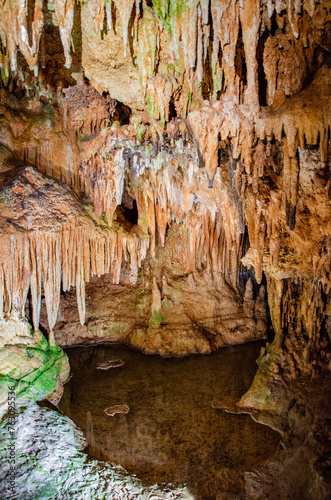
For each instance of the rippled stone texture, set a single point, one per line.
(50, 461)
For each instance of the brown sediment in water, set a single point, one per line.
(172, 432)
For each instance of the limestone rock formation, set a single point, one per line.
(49, 239)
(175, 157)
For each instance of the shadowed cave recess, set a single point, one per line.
(165, 185)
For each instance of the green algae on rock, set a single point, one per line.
(30, 366)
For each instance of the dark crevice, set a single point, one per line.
(240, 61)
(207, 86)
(172, 110)
(262, 81)
(104, 30)
(122, 113)
(223, 154)
(131, 30)
(127, 213)
(274, 25)
(29, 18)
(240, 64)
(131, 214)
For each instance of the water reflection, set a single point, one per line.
(171, 433)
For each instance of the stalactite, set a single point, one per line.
(125, 8)
(51, 267)
(206, 125)
(188, 27)
(149, 41)
(225, 15)
(36, 274)
(14, 31)
(80, 278)
(97, 9)
(250, 19)
(159, 92)
(69, 255)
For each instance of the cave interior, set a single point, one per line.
(165, 185)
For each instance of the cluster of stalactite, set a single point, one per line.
(58, 260)
(103, 175)
(168, 184)
(304, 122)
(165, 190)
(300, 311)
(41, 136)
(200, 33)
(45, 156)
(200, 64)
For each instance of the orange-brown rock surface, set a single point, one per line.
(174, 156)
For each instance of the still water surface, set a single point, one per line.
(171, 433)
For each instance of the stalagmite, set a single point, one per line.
(156, 304)
(249, 296)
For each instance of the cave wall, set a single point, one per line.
(194, 138)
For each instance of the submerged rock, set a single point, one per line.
(112, 410)
(113, 363)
